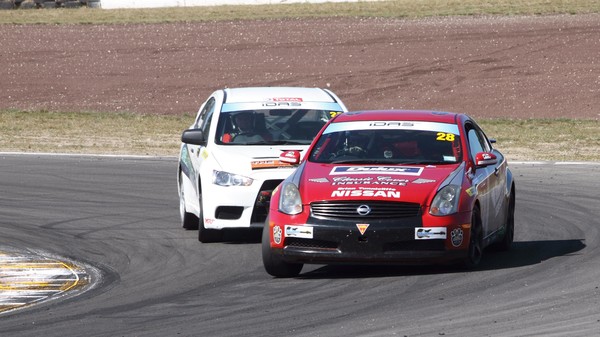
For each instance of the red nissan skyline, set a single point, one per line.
(393, 186)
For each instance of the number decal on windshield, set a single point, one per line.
(442, 136)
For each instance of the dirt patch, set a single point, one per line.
(484, 66)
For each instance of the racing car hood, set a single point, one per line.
(254, 160)
(410, 183)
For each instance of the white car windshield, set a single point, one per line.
(270, 126)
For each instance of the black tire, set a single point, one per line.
(475, 252)
(274, 264)
(509, 233)
(189, 221)
(206, 235)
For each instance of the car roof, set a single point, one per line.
(399, 115)
(277, 94)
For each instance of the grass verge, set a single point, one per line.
(159, 135)
(386, 9)
(122, 133)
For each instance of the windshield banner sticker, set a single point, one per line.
(369, 181)
(401, 170)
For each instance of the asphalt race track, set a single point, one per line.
(120, 216)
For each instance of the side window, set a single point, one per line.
(477, 141)
(206, 120)
(206, 111)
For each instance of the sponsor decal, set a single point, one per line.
(281, 104)
(318, 180)
(430, 233)
(381, 180)
(290, 157)
(286, 99)
(209, 221)
(365, 192)
(204, 153)
(392, 124)
(187, 162)
(456, 237)
(401, 170)
(277, 234)
(362, 227)
(423, 181)
(270, 163)
(304, 232)
(470, 191)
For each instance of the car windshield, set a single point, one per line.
(412, 145)
(271, 126)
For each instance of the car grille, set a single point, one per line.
(379, 210)
(310, 244)
(414, 245)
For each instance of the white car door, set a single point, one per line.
(203, 122)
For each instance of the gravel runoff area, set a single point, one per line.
(527, 67)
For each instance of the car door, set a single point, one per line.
(203, 122)
(486, 180)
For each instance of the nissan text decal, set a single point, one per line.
(403, 170)
(365, 192)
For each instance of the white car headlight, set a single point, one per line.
(445, 201)
(223, 178)
(289, 199)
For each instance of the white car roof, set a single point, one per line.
(277, 94)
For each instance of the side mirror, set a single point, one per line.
(193, 136)
(290, 157)
(483, 159)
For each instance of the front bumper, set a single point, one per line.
(384, 241)
(237, 207)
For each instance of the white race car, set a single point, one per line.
(229, 161)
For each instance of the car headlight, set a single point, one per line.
(445, 201)
(223, 178)
(289, 199)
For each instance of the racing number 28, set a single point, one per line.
(442, 136)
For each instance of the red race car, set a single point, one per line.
(401, 187)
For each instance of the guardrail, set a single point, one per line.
(43, 3)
